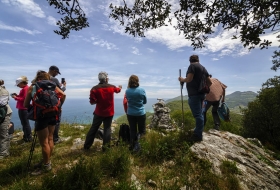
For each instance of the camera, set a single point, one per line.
(13, 94)
(62, 80)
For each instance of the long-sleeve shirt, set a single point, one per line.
(103, 96)
(20, 98)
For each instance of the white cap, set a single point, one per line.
(19, 80)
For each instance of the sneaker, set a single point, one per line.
(57, 141)
(3, 156)
(38, 165)
(45, 168)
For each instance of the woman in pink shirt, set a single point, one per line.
(22, 82)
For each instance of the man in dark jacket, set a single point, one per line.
(53, 72)
(103, 96)
(193, 79)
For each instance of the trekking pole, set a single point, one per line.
(32, 149)
(181, 86)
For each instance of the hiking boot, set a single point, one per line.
(45, 168)
(57, 141)
(27, 139)
(194, 138)
(136, 147)
(217, 127)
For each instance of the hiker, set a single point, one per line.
(193, 79)
(103, 96)
(6, 114)
(22, 82)
(217, 93)
(53, 72)
(44, 126)
(134, 100)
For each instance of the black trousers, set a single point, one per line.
(137, 125)
(97, 121)
(215, 115)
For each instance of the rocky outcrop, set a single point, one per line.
(258, 169)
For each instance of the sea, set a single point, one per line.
(79, 111)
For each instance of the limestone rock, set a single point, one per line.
(255, 173)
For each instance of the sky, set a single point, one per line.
(28, 44)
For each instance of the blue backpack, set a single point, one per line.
(223, 112)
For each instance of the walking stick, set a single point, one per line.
(181, 86)
(32, 149)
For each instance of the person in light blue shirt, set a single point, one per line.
(134, 100)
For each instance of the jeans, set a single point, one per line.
(137, 124)
(215, 114)
(4, 137)
(195, 103)
(25, 124)
(97, 121)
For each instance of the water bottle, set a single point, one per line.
(204, 106)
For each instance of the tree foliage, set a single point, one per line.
(198, 19)
(74, 17)
(276, 58)
(261, 118)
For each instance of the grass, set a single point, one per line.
(164, 159)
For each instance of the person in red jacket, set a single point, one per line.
(102, 95)
(22, 82)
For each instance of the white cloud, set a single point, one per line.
(135, 51)
(7, 42)
(103, 43)
(215, 59)
(151, 50)
(51, 20)
(18, 29)
(271, 37)
(28, 6)
(132, 63)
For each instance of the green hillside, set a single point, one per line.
(240, 98)
(233, 100)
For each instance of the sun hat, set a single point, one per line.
(21, 79)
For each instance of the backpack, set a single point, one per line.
(4, 100)
(124, 133)
(45, 101)
(223, 112)
(203, 87)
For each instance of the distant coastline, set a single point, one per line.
(78, 110)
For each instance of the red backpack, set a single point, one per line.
(45, 101)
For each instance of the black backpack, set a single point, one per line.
(45, 102)
(124, 133)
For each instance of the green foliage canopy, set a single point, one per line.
(261, 118)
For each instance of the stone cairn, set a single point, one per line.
(161, 117)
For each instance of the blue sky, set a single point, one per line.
(28, 44)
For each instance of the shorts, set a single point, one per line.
(41, 124)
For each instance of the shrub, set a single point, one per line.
(261, 118)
